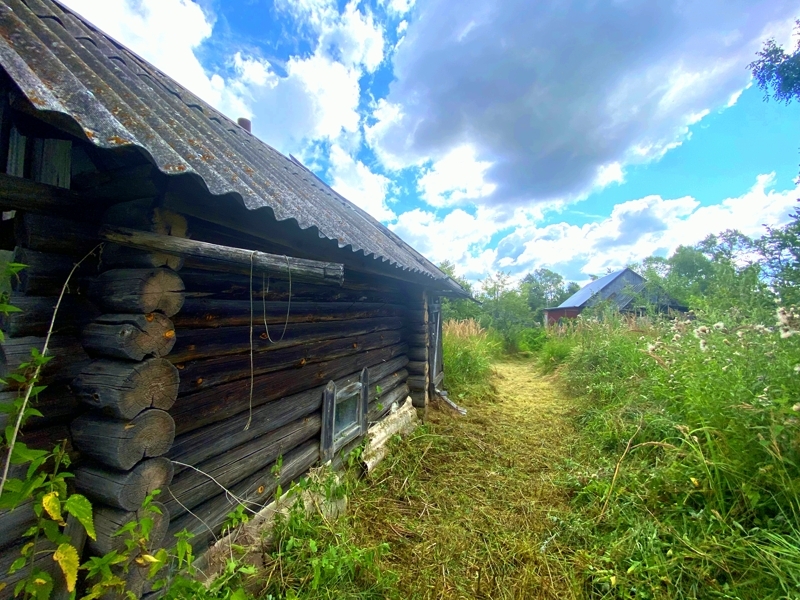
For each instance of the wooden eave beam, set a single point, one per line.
(226, 258)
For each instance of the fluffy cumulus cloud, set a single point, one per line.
(559, 96)
(354, 180)
(640, 228)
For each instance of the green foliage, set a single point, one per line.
(531, 339)
(554, 351)
(690, 483)
(467, 351)
(546, 289)
(776, 72)
(313, 554)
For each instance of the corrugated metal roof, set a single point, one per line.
(583, 295)
(62, 63)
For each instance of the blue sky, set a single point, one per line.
(502, 134)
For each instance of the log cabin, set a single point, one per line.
(232, 312)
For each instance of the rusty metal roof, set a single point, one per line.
(63, 64)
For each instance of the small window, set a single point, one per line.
(344, 415)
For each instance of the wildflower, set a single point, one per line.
(740, 333)
(651, 347)
(796, 407)
(797, 368)
(676, 337)
(702, 330)
(719, 326)
(703, 346)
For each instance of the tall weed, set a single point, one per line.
(468, 350)
(690, 486)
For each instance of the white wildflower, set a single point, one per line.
(797, 368)
(720, 326)
(676, 337)
(796, 407)
(703, 346)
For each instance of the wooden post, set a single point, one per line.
(326, 435)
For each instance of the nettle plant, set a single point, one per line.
(39, 477)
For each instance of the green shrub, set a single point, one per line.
(555, 351)
(690, 483)
(531, 339)
(467, 351)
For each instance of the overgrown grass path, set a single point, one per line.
(466, 503)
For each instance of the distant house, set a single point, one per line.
(622, 288)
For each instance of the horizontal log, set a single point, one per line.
(190, 488)
(68, 357)
(208, 312)
(203, 374)
(139, 291)
(380, 407)
(384, 386)
(226, 258)
(418, 367)
(49, 233)
(194, 447)
(36, 314)
(257, 490)
(131, 337)
(56, 403)
(15, 522)
(402, 422)
(108, 521)
(123, 389)
(418, 353)
(122, 443)
(45, 273)
(203, 284)
(121, 257)
(48, 437)
(224, 401)
(194, 344)
(123, 489)
(17, 193)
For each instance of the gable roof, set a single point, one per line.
(586, 293)
(114, 98)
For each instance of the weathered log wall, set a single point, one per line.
(167, 374)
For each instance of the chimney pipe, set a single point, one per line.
(244, 124)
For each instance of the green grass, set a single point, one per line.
(689, 485)
(468, 352)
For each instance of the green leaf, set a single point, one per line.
(52, 505)
(67, 558)
(9, 308)
(22, 454)
(80, 508)
(40, 585)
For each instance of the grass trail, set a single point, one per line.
(464, 503)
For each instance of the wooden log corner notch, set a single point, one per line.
(226, 258)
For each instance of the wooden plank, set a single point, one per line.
(202, 374)
(209, 312)
(222, 402)
(139, 291)
(189, 488)
(194, 344)
(226, 258)
(418, 367)
(131, 337)
(124, 389)
(328, 413)
(51, 162)
(36, 313)
(17, 150)
(123, 489)
(15, 522)
(122, 443)
(45, 273)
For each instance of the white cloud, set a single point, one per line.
(354, 180)
(457, 176)
(551, 95)
(397, 7)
